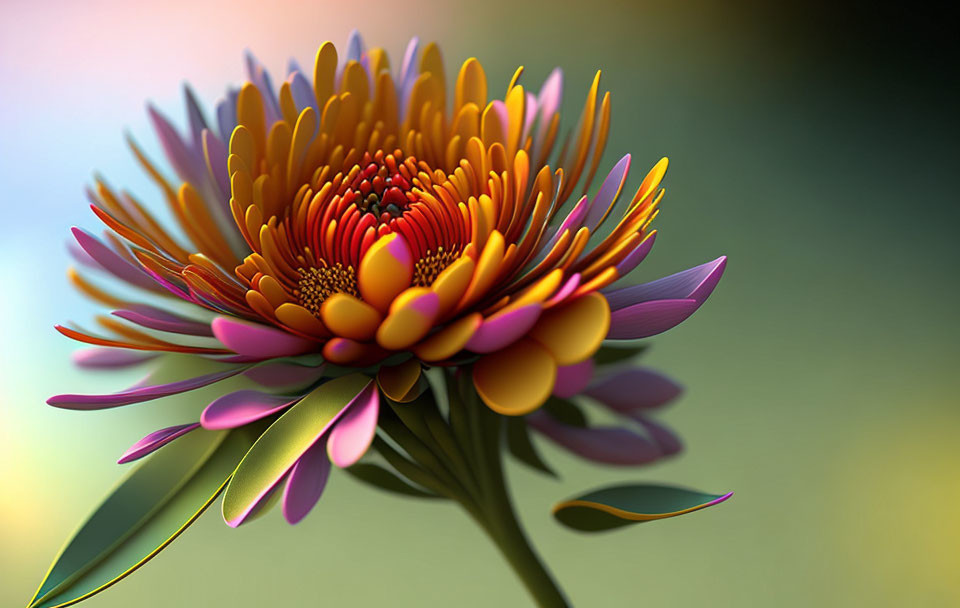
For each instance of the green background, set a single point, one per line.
(815, 146)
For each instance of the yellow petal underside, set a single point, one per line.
(572, 332)
(516, 380)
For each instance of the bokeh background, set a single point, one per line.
(816, 145)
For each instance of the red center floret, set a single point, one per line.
(383, 187)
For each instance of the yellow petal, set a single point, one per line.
(516, 380)
(486, 271)
(450, 340)
(397, 382)
(299, 318)
(452, 283)
(385, 270)
(350, 317)
(573, 332)
(409, 320)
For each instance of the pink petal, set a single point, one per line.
(633, 389)
(112, 262)
(572, 379)
(243, 407)
(353, 434)
(161, 320)
(503, 329)
(283, 374)
(110, 358)
(256, 340)
(305, 482)
(636, 256)
(156, 440)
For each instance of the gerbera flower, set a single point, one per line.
(364, 234)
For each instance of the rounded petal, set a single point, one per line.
(504, 328)
(574, 331)
(156, 440)
(397, 381)
(411, 318)
(350, 317)
(517, 379)
(305, 483)
(385, 270)
(451, 284)
(634, 389)
(450, 340)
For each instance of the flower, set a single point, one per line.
(363, 235)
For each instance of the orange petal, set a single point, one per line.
(299, 318)
(450, 340)
(343, 350)
(411, 317)
(385, 270)
(486, 271)
(350, 317)
(516, 380)
(398, 382)
(573, 332)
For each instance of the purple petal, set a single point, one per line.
(353, 434)
(259, 76)
(303, 95)
(503, 329)
(110, 358)
(227, 115)
(195, 118)
(305, 483)
(609, 445)
(633, 389)
(355, 47)
(179, 155)
(111, 261)
(408, 74)
(243, 407)
(572, 379)
(668, 441)
(256, 340)
(636, 256)
(155, 440)
(609, 192)
(282, 374)
(649, 318)
(138, 394)
(161, 320)
(216, 158)
(695, 283)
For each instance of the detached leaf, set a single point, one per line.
(522, 448)
(384, 479)
(150, 508)
(617, 506)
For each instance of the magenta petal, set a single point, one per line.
(110, 358)
(353, 434)
(155, 318)
(111, 261)
(180, 156)
(668, 441)
(608, 193)
(503, 329)
(565, 291)
(156, 440)
(609, 445)
(138, 394)
(572, 379)
(633, 389)
(695, 283)
(256, 340)
(636, 256)
(649, 318)
(305, 483)
(242, 407)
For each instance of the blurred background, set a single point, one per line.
(815, 145)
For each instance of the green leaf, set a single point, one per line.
(284, 442)
(617, 506)
(384, 479)
(522, 448)
(608, 355)
(143, 514)
(566, 412)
